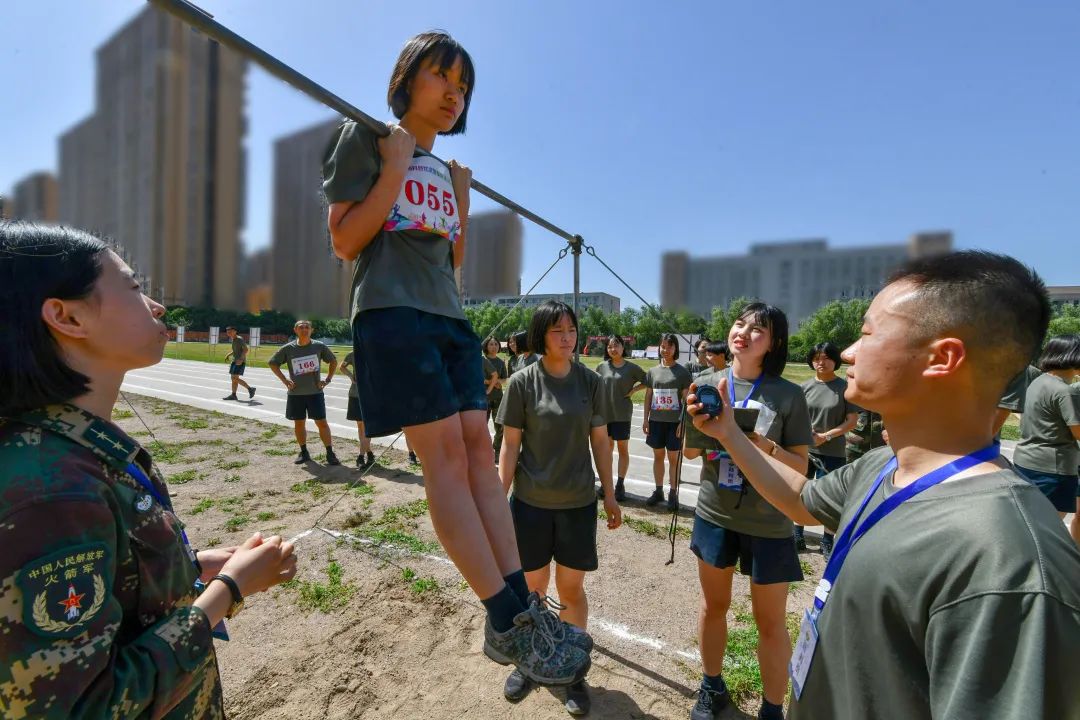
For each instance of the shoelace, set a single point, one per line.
(542, 632)
(548, 607)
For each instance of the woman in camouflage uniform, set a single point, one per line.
(99, 614)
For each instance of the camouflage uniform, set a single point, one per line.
(865, 436)
(96, 585)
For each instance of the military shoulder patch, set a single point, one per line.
(63, 591)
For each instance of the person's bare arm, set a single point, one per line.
(353, 225)
(508, 456)
(779, 482)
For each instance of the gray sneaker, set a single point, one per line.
(561, 630)
(577, 699)
(517, 686)
(532, 648)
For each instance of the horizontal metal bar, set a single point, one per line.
(205, 23)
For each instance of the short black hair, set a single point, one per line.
(442, 50)
(521, 342)
(1061, 353)
(614, 338)
(776, 321)
(38, 262)
(546, 315)
(824, 348)
(229, 327)
(994, 303)
(671, 339)
(718, 348)
(700, 340)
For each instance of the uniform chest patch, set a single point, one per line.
(64, 591)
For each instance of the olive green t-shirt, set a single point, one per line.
(555, 416)
(668, 384)
(499, 366)
(404, 266)
(353, 392)
(1013, 399)
(615, 383)
(744, 510)
(964, 602)
(520, 362)
(828, 409)
(239, 347)
(1046, 443)
(303, 364)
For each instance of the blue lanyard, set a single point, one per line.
(136, 472)
(731, 387)
(852, 534)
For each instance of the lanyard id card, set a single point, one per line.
(803, 655)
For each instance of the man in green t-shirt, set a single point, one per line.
(239, 362)
(960, 596)
(304, 358)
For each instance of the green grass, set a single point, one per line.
(394, 514)
(236, 522)
(257, 357)
(185, 476)
(402, 539)
(232, 478)
(418, 585)
(233, 464)
(202, 506)
(189, 423)
(213, 542)
(282, 451)
(741, 671)
(806, 567)
(270, 432)
(323, 597)
(363, 489)
(118, 414)
(310, 486)
(265, 515)
(647, 527)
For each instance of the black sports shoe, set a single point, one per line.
(517, 686)
(230, 397)
(360, 463)
(331, 458)
(413, 460)
(709, 704)
(620, 491)
(800, 541)
(370, 458)
(302, 458)
(826, 547)
(251, 392)
(577, 699)
(673, 499)
(656, 497)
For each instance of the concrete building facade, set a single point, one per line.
(36, 198)
(798, 276)
(492, 266)
(308, 278)
(605, 301)
(159, 166)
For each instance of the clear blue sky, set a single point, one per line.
(702, 126)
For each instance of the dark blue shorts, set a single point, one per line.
(235, 369)
(1060, 490)
(765, 560)
(414, 367)
(619, 430)
(662, 435)
(566, 536)
(302, 407)
(353, 412)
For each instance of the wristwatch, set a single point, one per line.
(237, 598)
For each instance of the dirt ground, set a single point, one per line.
(378, 624)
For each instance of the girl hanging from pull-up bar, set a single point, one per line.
(403, 216)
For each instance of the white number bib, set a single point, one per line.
(305, 365)
(426, 201)
(803, 654)
(728, 475)
(666, 399)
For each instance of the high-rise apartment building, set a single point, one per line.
(36, 198)
(308, 279)
(797, 276)
(159, 165)
(492, 266)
